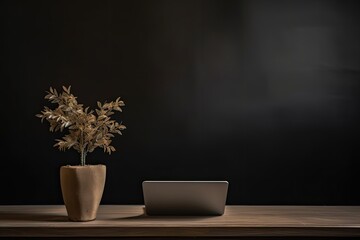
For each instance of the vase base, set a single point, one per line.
(81, 220)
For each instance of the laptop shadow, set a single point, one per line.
(173, 217)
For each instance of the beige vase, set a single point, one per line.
(82, 188)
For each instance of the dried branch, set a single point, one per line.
(86, 130)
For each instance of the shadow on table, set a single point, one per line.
(144, 217)
(36, 217)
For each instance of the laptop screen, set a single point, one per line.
(185, 197)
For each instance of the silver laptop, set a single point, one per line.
(185, 197)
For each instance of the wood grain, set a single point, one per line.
(130, 221)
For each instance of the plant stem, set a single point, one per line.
(83, 154)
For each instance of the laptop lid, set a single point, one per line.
(185, 197)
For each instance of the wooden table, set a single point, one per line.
(130, 221)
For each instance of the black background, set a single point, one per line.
(263, 94)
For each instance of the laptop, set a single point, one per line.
(185, 197)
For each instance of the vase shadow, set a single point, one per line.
(36, 217)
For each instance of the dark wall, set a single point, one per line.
(264, 94)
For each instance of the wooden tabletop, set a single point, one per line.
(130, 221)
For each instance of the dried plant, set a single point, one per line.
(87, 129)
